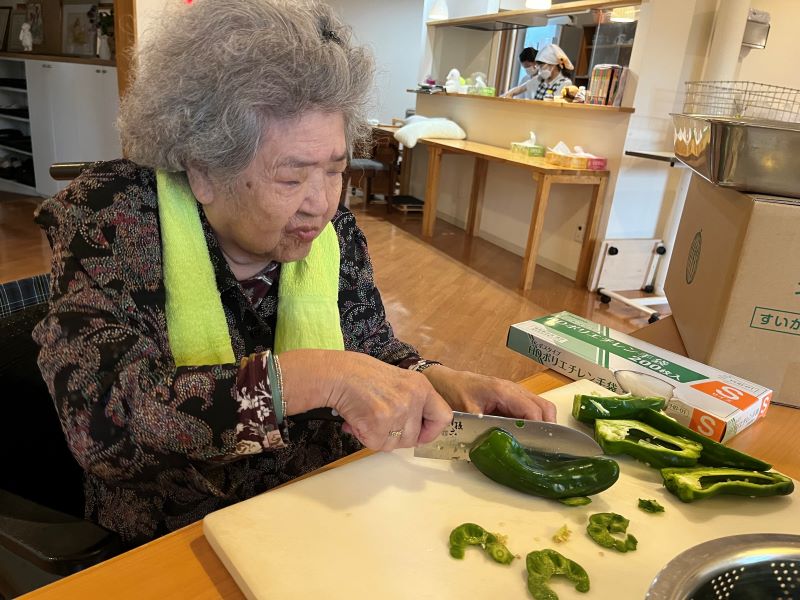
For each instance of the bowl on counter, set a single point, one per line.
(738, 567)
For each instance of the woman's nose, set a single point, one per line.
(316, 200)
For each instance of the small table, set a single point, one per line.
(544, 174)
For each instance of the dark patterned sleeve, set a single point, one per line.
(363, 318)
(128, 413)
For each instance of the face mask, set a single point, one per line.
(545, 73)
(531, 71)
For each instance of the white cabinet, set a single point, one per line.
(40, 81)
(85, 103)
(73, 108)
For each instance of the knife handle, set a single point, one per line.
(319, 414)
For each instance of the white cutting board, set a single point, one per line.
(377, 528)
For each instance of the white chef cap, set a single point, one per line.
(554, 55)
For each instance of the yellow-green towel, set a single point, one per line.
(308, 309)
(308, 298)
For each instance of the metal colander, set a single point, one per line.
(776, 580)
(760, 566)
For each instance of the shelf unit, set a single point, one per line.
(16, 166)
(605, 43)
(72, 106)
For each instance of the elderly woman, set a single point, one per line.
(209, 292)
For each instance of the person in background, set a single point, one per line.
(552, 62)
(527, 86)
(208, 293)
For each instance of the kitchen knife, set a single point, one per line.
(455, 441)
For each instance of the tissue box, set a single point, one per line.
(573, 161)
(527, 149)
(712, 402)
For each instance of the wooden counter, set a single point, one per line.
(183, 565)
(538, 103)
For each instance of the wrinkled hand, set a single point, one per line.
(374, 398)
(471, 392)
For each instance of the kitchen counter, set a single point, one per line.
(183, 565)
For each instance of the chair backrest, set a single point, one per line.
(37, 463)
(386, 150)
(16, 295)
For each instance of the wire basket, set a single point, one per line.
(742, 100)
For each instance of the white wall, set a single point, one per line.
(775, 63)
(394, 32)
(669, 45)
(147, 11)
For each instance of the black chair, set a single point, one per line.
(43, 535)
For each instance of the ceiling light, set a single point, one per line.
(626, 14)
(539, 4)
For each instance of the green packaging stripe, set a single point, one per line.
(576, 328)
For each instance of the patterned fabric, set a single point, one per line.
(162, 445)
(554, 86)
(16, 295)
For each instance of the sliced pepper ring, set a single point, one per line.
(470, 534)
(601, 527)
(544, 564)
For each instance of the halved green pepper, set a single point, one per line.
(498, 455)
(590, 408)
(713, 454)
(704, 482)
(645, 443)
(544, 564)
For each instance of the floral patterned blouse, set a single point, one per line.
(162, 445)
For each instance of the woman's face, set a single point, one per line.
(281, 202)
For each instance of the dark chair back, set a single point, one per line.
(43, 535)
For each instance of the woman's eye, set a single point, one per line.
(290, 183)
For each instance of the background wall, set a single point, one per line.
(394, 31)
(773, 64)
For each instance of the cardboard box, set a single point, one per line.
(733, 285)
(709, 401)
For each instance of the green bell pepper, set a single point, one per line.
(645, 443)
(590, 408)
(601, 527)
(544, 564)
(498, 455)
(713, 454)
(704, 482)
(470, 534)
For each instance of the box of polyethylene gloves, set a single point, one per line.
(709, 401)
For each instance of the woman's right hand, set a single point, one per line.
(376, 400)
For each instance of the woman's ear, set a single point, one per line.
(201, 184)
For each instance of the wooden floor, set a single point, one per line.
(452, 297)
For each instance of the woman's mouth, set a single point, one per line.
(304, 234)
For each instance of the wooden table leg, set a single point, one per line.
(476, 195)
(535, 230)
(405, 171)
(590, 234)
(431, 191)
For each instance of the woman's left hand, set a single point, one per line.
(470, 392)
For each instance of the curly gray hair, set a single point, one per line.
(212, 75)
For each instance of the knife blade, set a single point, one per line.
(455, 441)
